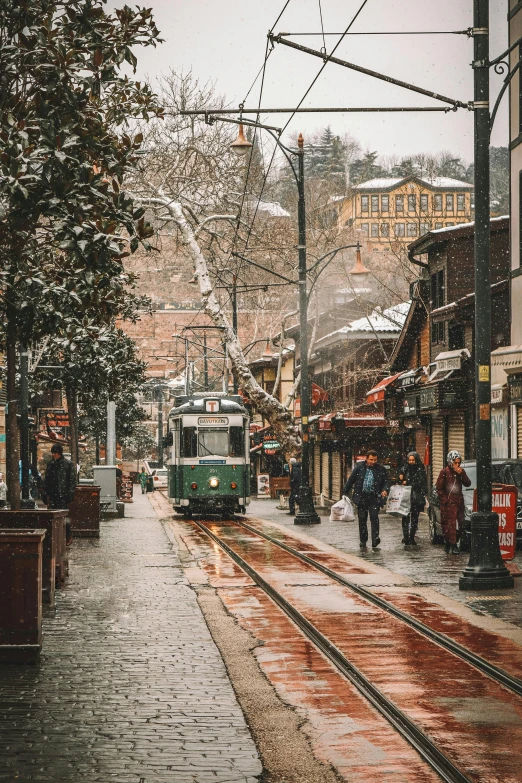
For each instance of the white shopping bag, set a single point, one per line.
(399, 500)
(342, 511)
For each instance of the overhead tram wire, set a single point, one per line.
(392, 32)
(327, 57)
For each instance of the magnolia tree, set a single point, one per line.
(65, 222)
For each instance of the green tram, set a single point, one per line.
(209, 454)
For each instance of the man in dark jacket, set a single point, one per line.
(60, 482)
(369, 480)
(295, 483)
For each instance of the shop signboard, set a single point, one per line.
(504, 503)
(263, 485)
(428, 398)
(408, 380)
(445, 365)
(499, 433)
(410, 405)
(515, 388)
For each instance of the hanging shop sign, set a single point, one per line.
(271, 446)
(515, 388)
(497, 395)
(451, 363)
(428, 398)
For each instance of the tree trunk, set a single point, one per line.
(13, 441)
(279, 417)
(72, 408)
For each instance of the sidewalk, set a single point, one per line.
(131, 687)
(427, 565)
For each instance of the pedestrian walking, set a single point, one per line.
(295, 483)
(60, 483)
(143, 481)
(369, 481)
(3, 491)
(413, 475)
(449, 489)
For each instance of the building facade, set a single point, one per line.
(392, 209)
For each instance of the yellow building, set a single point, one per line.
(398, 209)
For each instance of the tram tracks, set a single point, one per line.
(426, 747)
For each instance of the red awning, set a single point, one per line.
(365, 420)
(377, 393)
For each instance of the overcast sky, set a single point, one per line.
(224, 40)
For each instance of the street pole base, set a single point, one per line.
(307, 515)
(485, 581)
(486, 570)
(307, 519)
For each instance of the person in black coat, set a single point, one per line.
(369, 482)
(295, 483)
(413, 475)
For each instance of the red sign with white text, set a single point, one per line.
(504, 503)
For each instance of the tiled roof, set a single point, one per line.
(390, 320)
(387, 183)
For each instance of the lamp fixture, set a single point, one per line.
(241, 145)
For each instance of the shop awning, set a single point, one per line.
(365, 420)
(256, 448)
(377, 393)
(325, 422)
(509, 358)
(447, 362)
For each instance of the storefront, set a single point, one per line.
(499, 422)
(515, 400)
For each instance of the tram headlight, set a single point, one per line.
(194, 485)
(233, 485)
(213, 482)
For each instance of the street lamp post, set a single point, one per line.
(485, 569)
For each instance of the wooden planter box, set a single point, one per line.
(21, 595)
(84, 511)
(55, 566)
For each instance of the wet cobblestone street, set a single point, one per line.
(428, 565)
(130, 687)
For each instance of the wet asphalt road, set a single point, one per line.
(427, 564)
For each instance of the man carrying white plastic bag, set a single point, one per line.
(342, 511)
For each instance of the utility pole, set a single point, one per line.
(307, 514)
(234, 322)
(485, 569)
(205, 361)
(159, 392)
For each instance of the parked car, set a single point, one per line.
(160, 478)
(504, 471)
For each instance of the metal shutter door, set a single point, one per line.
(519, 431)
(437, 447)
(325, 489)
(336, 475)
(317, 469)
(457, 433)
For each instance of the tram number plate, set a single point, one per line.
(210, 421)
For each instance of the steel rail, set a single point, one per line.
(492, 671)
(407, 728)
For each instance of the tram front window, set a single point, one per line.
(213, 443)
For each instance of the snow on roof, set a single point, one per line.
(384, 183)
(272, 208)
(390, 320)
(464, 225)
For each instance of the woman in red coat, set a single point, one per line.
(449, 489)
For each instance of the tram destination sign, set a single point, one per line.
(212, 421)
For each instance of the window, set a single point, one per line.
(385, 203)
(375, 229)
(461, 202)
(439, 225)
(411, 229)
(424, 228)
(424, 202)
(365, 228)
(237, 442)
(437, 202)
(399, 203)
(213, 443)
(455, 336)
(399, 229)
(375, 203)
(449, 202)
(385, 229)
(438, 332)
(449, 224)
(364, 203)
(437, 289)
(189, 444)
(412, 203)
